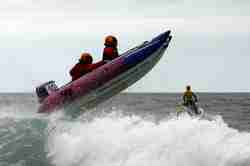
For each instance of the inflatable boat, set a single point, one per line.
(106, 81)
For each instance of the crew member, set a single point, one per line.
(110, 51)
(190, 99)
(84, 66)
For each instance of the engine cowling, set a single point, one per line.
(45, 90)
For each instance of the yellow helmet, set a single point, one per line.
(111, 41)
(86, 58)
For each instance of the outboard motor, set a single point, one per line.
(45, 90)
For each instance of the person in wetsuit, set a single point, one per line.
(190, 99)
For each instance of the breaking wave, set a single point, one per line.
(129, 140)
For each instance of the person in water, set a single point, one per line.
(84, 66)
(110, 51)
(190, 99)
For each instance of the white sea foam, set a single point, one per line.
(115, 140)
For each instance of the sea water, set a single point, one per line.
(127, 130)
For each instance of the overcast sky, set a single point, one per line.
(41, 40)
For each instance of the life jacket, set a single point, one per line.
(188, 96)
(81, 69)
(109, 53)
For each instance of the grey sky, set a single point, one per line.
(130, 7)
(40, 40)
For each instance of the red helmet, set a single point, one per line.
(111, 41)
(86, 58)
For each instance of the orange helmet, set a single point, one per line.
(110, 41)
(86, 58)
